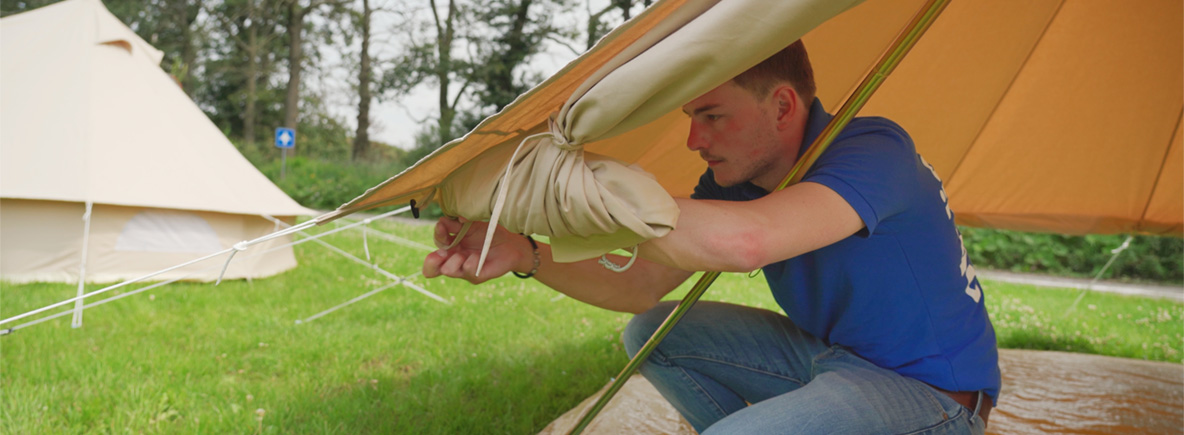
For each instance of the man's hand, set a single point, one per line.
(633, 291)
(506, 252)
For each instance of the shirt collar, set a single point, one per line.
(816, 122)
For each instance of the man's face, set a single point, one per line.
(737, 135)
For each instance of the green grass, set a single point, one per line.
(505, 357)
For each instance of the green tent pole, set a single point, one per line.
(888, 62)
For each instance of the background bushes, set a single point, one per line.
(324, 184)
(1149, 258)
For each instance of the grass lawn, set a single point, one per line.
(505, 357)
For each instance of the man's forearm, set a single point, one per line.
(634, 290)
(742, 236)
(710, 236)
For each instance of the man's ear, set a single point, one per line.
(788, 104)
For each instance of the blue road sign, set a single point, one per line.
(285, 137)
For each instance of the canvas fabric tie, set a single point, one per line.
(608, 264)
(587, 204)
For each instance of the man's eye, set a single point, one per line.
(713, 117)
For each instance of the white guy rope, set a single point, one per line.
(240, 246)
(359, 298)
(141, 290)
(368, 264)
(144, 289)
(365, 242)
(393, 238)
(244, 244)
(392, 276)
(1115, 253)
(401, 241)
(347, 303)
(77, 322)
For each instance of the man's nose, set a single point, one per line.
(695, 140)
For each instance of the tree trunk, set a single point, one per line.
(188, 15)
(252, 76)
(362, 138)
(516, 53)
(593, 31)
(295, 60)
(444, 36)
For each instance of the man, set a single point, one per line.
(886, 329)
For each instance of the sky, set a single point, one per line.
(396, 122)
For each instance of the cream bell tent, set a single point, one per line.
(91, 127)
(1040, 115)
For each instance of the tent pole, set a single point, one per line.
(77, 320)
(888, 62)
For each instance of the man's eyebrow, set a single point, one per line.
(701, 109)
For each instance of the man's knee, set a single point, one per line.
(643, 325)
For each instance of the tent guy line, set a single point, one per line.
(136, 291)
(383, 272)
(159, 284)
(401, 241)
(373, 266)
(238, 246)
(405, 281)
(133, 281)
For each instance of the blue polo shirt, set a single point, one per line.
(901, 293)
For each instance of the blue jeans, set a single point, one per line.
(720, 358)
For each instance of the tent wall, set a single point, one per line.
(42, 241)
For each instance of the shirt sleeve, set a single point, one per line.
(873, 167)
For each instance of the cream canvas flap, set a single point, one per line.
(588, 204)
(715, 46)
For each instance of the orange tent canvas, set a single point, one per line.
(1040, 115)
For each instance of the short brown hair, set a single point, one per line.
(791, 64)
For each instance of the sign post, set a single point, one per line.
(284, 138)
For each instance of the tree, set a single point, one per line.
(296, 14)
(518, 36)
(362, 137)
(445, 66)
(251, 32)
(496, 39)
(598, 27)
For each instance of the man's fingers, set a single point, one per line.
(441, 234)
(431, 263)
(452, 265)
(470, 266)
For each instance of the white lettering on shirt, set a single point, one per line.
(972, 286)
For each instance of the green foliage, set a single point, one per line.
(320, 173)
(324, 184)
(1149, 258)
(15, 7)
